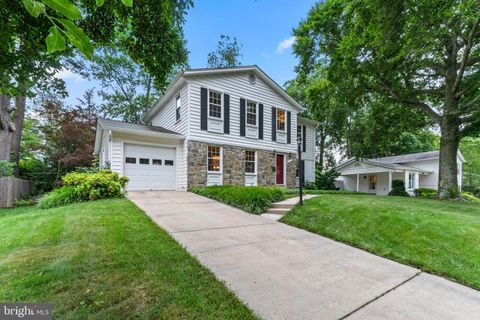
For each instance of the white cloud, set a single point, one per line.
(65, 74)
(286, 44)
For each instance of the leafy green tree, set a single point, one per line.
(37, 35)
(423, 55)
(227, 53)
(470, 148)
(127, 89)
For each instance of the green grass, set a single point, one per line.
(105, 260)
(441, 237)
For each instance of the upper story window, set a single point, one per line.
(251, 113)
(281, 120)
(215, 104)
(178, 103)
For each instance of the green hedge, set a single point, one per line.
(251, 199)
(469, 196)
(82, 186)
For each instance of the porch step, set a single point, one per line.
(279, 211)
(281, 205)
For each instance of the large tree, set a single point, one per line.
(37, 35)
(127, 89)
(421, 54)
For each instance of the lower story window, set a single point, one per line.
(249, 161)
(213, 158)
(373, 182)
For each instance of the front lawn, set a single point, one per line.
(441, 237)
(105, 260)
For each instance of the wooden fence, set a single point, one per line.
(11, 190)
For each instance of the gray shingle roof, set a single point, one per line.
(115, 124)
(408, 157)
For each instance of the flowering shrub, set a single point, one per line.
(82, 186)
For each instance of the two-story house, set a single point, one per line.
(212, 127)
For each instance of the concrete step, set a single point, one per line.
(280, 211)
(282, 205)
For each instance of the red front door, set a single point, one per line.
(280, 169)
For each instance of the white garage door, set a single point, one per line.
(149, 167)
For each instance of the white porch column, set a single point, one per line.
(406, 179)
(358, 181)
(390, 177)
(416, 182)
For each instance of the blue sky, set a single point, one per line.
(263, 27)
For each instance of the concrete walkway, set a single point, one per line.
(282, 272)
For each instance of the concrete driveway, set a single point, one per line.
(282, 272)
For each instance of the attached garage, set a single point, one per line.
(150, 157)
(149, 167)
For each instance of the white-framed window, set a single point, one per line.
(178, 103)
(281, 119)
(214, 104)
(411, 180)
(214, 159)
(251, 113)
(250, 161)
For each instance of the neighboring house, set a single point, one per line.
(417, 170)
(212, 127)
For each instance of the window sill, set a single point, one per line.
(214, 172)
(250, 174)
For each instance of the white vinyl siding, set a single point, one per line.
(237, 86)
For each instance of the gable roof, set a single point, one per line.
(390, 166)
(398, 162)
(177, 81)
(120, 126)
(411, 157)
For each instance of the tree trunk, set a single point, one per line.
(448, 170)
(16, 136)
(5, 127)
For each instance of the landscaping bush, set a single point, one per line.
(426, 192)
(59, 197)
(98, 185)
(251, 199)
(325, 179)
(81, 186)
(398, 189)
(469, 196)
(6, 168)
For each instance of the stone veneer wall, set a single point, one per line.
(233, 166)
(197, 164)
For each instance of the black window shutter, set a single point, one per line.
(226, 113)
(274, 124)
(242, 117)
(304, 136)
(289, 127)
(203, 108)
(260, 121)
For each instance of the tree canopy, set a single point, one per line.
(227, 53)
(418, 55)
